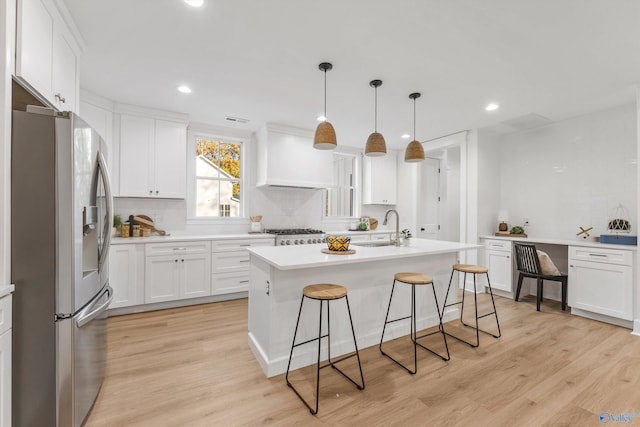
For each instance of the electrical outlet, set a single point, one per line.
(525, 222)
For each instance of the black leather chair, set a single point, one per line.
(528, 265)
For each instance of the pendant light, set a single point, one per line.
(415, 150)
(325, 137)
(376, 146)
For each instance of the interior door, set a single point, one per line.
(429, 204)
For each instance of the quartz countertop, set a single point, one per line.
(567, 242)
(297, 257)
(188, 238)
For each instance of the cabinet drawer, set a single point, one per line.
(498, 245)
(5, 314)
(177, 248)
(238, 244)
(608, 256)
(226, 283)
(378, 237)
(224, 262)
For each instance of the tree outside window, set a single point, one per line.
(218, 178)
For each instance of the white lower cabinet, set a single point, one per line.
(176, 271)
(126, 275)
(230, 264)
(499, 263)
(601, 281)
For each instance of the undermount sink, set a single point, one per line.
(374, 244)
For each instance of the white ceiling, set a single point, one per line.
(258, 59)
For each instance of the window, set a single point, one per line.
(218, 173)
(341, 197)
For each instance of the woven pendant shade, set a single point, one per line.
(414, 152)
(325, 137)
(376, 146)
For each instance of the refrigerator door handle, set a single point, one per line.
(102, 167)
(97, 311)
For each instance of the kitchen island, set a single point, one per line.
(278, 275)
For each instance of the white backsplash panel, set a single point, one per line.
(572, 173)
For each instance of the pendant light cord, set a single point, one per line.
(414, 119)
(375, 114)
(325, 95)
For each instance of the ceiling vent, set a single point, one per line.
(237, 120)
(526, 122)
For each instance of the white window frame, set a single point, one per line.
(191, 179)
(357, 184)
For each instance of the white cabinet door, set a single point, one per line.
(601, 288)
(379, 180)
(126, 275)
(35, 45)
(5, 378)
(64, 74)
(499, 264)
(136, 156)
(195, 275)
(162, 278)
(153, 159)
(170, 168)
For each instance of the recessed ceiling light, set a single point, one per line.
(406, 136)
(184, 89)
(322, 119)
(492, 107)
(194, 3)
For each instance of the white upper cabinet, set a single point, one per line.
(64, 79)
(286, 157)
(152, 157)
(47, 54)
(379, 179)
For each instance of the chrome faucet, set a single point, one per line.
(386, 217)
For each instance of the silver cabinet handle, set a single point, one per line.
(244, 260)
(59, 97)
(599, 255)
(180, 249)
(244, 281)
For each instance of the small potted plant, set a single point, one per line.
(117, 222)
(405, 235)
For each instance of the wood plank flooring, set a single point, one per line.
(192, 367)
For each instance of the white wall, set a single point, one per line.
(489, 183)
(571, 173)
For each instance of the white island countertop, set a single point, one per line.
(296, 257)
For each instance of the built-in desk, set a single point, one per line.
(602, 277)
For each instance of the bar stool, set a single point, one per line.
(414, 279)
(475, 270)
(324, 292)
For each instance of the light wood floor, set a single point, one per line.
(192, 367)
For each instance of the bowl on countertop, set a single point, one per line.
(338, 243)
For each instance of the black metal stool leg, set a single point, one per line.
(357, 353)
(494, 310)
(330, 362)
(387, 321)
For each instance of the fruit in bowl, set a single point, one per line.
(338, 243)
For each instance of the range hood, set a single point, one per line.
(286, 158)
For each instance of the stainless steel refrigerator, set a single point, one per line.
(61, 216)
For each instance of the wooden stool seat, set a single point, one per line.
(324, 291)
(413, 278)
(470, 268)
